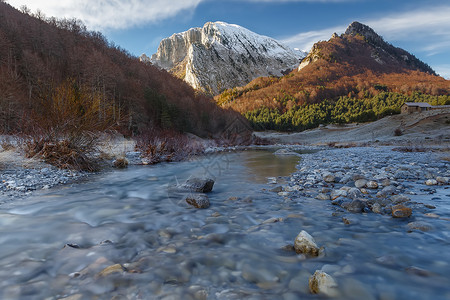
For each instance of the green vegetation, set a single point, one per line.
(344, 110)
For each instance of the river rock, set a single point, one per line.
(397, 199)
(442, 180)
(323, 196)
(418, 225)
(197, 200)
(304, 243)
(328, 177)
(199, 185)
(322, 283)
(117, 268)
(356, 206)
(431, 182)
(401, 211)
(372, 185)
(338, 193)
(388, 190)
(377, 208)
(360, 183)
(354, 193)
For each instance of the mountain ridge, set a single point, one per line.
(221, 55)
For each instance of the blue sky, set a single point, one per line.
(421, 27)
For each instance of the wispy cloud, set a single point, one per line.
(431, 26)
(111, 14)
(443, 70)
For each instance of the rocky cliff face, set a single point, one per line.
(220, 56)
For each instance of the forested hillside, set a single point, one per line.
(56, 74)
(352, 77)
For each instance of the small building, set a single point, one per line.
(411, 107)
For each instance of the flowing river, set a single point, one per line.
(124, 235)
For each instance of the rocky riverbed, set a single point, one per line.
(364, 180)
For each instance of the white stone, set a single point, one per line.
(322, 283)
(304, 243)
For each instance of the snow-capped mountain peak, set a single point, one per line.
(221, 55)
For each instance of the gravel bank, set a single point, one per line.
(367, 179)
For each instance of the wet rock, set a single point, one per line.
(277, 189)
(328, 177)
(117, 268)
(430, 182)
(377, 208)
(323, 196)
(372, 185)
(397, 199)
(401, 211)
(442, 180)
(338, 193)
(418, 225)
(360, 183)
(357, 177)
(388, 190)
(354, 193)
(199, 185)
(304, 243)
(197, 200)
(322, 283)
(272, 220)
(337, 202)
(418, 271)
(356, 206)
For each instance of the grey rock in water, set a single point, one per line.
(418, 225)
(199, 185)
(328, 177)
(197, 200)
(360, 183)
(356, 206)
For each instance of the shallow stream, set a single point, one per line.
(124, 234)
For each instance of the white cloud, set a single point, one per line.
(110, 14)
(443, 70)
(306, 40)
(430, 26)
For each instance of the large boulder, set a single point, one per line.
(305, 244)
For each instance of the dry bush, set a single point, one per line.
(120, 163)
(64, 128)
(398, 132)
(159, 146)
(62, 154)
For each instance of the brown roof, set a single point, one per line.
(419, 104)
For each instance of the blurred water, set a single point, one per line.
(172, 251)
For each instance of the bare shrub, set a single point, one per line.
(398, 132)
(62, 154)
(120, 163)
(160, 146)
